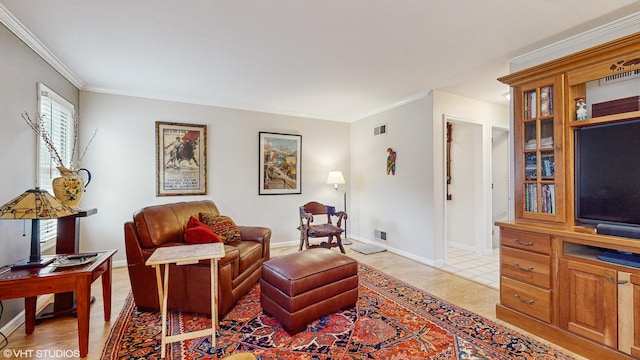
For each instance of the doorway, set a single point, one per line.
(466, 188)
(499, 180)
(479, 190)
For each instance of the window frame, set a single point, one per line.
(50, 102)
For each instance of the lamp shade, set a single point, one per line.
(35, 204)
(335, 177)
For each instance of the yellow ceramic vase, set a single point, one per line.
(70, 186)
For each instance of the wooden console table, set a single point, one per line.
(185, 255)
(67, 242)
(31, 282)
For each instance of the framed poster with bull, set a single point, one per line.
(280, 164)
(181, 159)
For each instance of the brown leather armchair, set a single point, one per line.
(190, 289)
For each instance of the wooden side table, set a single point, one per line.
(67, 242)
(31, 282)
(185, 255)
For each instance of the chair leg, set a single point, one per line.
(339, 239)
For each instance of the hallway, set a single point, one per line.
(479, 268)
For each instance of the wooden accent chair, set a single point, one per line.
(320, 230)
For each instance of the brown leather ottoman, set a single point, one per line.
(301, 287)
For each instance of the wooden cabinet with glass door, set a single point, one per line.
(539, 137)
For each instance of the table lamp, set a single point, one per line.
(336, 178)
(35, 204)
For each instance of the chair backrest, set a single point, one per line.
(315, 208)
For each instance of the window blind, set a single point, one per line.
(56, 115)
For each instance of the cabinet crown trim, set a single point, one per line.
(597, 54)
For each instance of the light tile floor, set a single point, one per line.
(484, 269)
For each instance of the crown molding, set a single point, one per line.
(229, 105)
(17, 28)
(407, 100)
(584, 40)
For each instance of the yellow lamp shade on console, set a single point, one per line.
(35, 204)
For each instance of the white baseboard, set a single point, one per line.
(396, 251)
(283, 244)
(18, 320)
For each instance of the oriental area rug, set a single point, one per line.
(391, 320)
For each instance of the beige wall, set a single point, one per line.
(123, 164)
(20, 70)
(401, 205)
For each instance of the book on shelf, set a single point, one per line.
(545, 101)
(548, 198)
(530, 144)
(534, 105)
(530, 105)
(531, 198)
(548, 166)
(530, 166)
(550, 100)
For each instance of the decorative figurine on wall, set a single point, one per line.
(391, 162)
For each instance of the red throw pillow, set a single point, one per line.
(200, 235)
(193, 222)
(223, 226)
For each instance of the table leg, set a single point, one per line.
(163, 309)
(83, 299)
(30, 314)
(214, 301)
(106, 291)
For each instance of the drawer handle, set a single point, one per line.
(528, 302)
(610, 279)
(523, 243)
(530, 268)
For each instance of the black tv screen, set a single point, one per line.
(608, 173)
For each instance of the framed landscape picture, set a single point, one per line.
(280, 163)
(181, 159)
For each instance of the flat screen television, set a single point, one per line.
(607, 173)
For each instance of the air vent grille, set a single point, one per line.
(380, 130)
(619, 77)
(380, 235)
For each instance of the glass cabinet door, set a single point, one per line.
(538, 138)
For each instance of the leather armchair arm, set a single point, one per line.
(259, 234)
(231, 254)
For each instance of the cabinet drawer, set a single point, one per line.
(526, 241)
(526, 266)
(525, 298)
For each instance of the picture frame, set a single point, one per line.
(181, 159)
(280, 163)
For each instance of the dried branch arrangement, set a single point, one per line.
(39, 129)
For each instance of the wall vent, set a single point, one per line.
(380, 130)
(619, 77)
(380, 235)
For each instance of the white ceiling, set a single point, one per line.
(332, 59)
